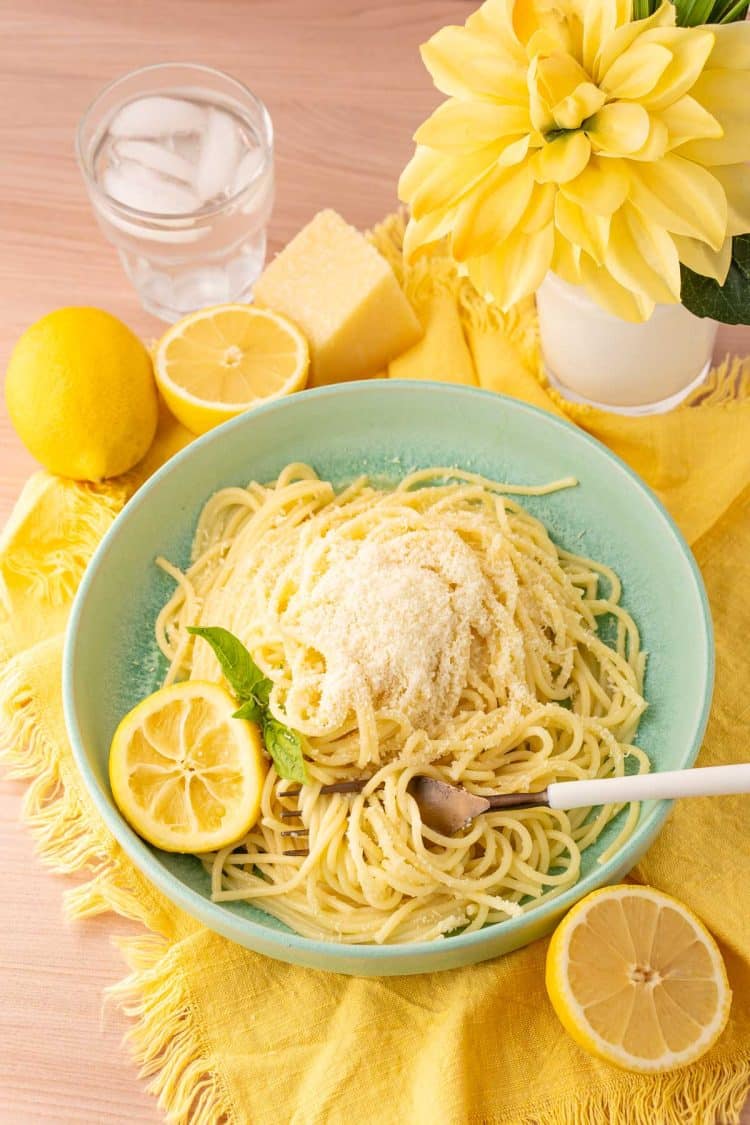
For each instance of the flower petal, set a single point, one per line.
(731, 47)
(488, 215)
(462, 124)
(618, 41)
(726, 95)
(515, 268)
(657, 249)
(581, 227)
(602, 185)
(466, 64)
(514, 153)
(423, 235)
(735, 180)
(637, 71)
(682, 197)
(601, 21)
(561, 160)
(495, 19)
(540, 209)
(566, 260)
(572, 111)
(432, 180)
(629, 267)
(656, 142)
(540, 25)
(690, 47)
(619, 129)
(702, 259)
(687, 120)
(558, 76)
(539, 107)
(615, 298)
(423, 163)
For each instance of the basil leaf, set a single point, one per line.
(243, 674)
(728, 303)
(285, 747)
(253, 691)
(262, 692)
(250, 710)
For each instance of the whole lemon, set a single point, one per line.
(81, 394)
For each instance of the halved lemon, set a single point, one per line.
(185, 774)
(637, 979)
(218, 362)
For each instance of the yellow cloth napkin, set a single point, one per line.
(227, 1035)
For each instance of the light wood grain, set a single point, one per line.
(345, 88)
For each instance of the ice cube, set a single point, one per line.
(146, 190)
(246, 169)
(217, 165)
(187, 145)
(158, 157)
(157, 116)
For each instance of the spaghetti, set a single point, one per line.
(434, 628)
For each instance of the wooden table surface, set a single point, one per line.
(345, 88)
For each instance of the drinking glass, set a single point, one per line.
(178, 163)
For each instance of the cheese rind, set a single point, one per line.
(343, 295)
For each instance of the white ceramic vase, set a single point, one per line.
(592, 356)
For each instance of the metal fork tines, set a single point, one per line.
(355, 786)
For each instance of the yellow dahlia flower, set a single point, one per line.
(578, 140)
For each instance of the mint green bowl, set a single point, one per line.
(386, 429)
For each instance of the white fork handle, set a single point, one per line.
(707, 781)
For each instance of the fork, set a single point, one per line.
(449, 808)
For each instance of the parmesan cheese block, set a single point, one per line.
(343, 295)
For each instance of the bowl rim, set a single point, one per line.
(215, 915)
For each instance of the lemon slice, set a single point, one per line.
(637, 979)
(185, 774)
(220, 361)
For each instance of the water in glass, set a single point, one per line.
(182, 184)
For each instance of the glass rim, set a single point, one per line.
(157, 217)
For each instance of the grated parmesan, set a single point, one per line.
(396, 619)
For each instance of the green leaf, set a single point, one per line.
(253, 691)
(728, 303)
(643, 8)
(285, 747)
(263, 692)
(250, 710)
(243, 674)
(690, 13)
(732, 13)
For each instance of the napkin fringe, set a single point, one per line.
(166, 1039)
(704, 1095)
(727, 382)
(62, 827)
(68, 837)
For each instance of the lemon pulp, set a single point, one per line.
(637, 979)
(186, 775)
(220, 361)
